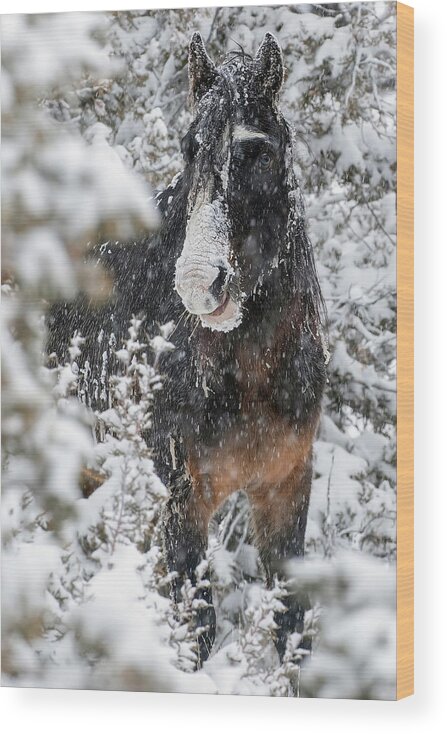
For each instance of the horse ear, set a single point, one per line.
(202, 71)
(269, 67)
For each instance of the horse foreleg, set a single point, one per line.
(280, 516)
(186, 539)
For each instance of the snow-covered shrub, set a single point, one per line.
(355, 655)
(57, 192)
(111, 585)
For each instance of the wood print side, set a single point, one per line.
(405, 352)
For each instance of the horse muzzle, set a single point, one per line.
(202, 288)
(204, 291)
(203, 271)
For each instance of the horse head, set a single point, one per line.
(240, 182)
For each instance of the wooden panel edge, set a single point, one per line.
(405, 352)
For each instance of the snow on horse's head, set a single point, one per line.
(240, 181)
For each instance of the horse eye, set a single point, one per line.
(265, 159)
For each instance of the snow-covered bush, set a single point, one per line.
(355, 654)
(110, 587)
(57, 192)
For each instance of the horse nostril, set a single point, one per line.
(216, 288)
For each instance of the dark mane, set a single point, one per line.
(239, 53)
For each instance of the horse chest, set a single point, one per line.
(255, 445)
(260, 450)
(257, 370)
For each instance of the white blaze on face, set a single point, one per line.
(206, 247)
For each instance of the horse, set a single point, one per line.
(232, 266)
